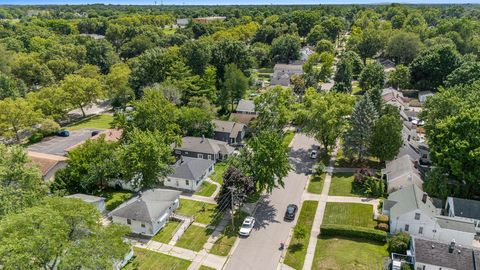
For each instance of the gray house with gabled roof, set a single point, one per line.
(147, 212)
(401, 172)
(246, 106)
(201, 147)
(229, 132)
(189, 173)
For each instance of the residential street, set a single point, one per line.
(261, 249)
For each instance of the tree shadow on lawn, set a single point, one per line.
(295, 247)
(265, 213)
(356, 239)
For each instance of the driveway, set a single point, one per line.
(261, 249)
(56, 145)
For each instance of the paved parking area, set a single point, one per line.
(56, 145)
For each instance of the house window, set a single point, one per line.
(407, 227)
(187, 182)
(178, 152)
(143, 225)
(417, 216)
(420, 230)
(200, 155)
(209, 156)
(129, 222)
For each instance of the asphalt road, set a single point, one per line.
(261, 249)
(56, 145)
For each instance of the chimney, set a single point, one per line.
(181, 159)
(451, 247)
(424, 198)
(203, 138)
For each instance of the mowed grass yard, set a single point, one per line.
(316, 183)
(150, 260)
(342, 161)
(102, 121)
(354, 214)
(225, 242)
(348, 253)
(203, 212)
(342, 185)
(206, 189)
(288, 137)
(114, 198)
(219, 170)
(297, 248)
(166, 233)
(194, 238)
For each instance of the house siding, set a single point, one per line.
(214, 157)
(222, 136)
(430, 227)
(181, 183)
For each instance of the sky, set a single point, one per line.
(225, 2)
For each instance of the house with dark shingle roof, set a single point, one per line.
(463, 209)
(412, 210)
(246, 106)
(189, 173)
(229, 131)
(428, 254)
(201, 147)
(147, 212)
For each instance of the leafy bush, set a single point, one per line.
(383, 218)
(374, 187)
(399, 243)
(36, 137)
(383, 227)
(361, 175)
(353, 231)
(49, 127)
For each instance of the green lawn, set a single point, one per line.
(297, 248)
(196, 209)
(99, 122)
(288, 137)
(114, 198)
(342, 161)
(348, 253)
(354, 214)
(316, 183)
(150, 260)
(194, 238)
(219, 170)
(206, 189)
(342, 185)
(166, 233)
(226, 240)
(169, 31)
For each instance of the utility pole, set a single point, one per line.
(232, 189)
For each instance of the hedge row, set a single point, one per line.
(353, 231)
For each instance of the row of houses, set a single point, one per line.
(445, 233)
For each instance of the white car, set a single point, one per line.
(314, 154)
(247, 226)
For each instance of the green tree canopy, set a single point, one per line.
(285, 48)
(274, 108)
(372, 76)
(386, 138)
(16, 115)
(400, 77)
(403, 47)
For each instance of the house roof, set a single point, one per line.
(245, 105)
(294, 68)
(392, 95)
(148, 206)
(191, 168)
(439, 254)
(111, 135)
(86, 198)
(205, 145)
(242, 117)
(45, 162)
(409, 199)
(402, 170)
(466, 208)
(228, 127)
(456, 224)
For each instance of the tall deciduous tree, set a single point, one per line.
(145, 157)
(466, 74)
(358, 136)
(403, 47)
(196, 122)
(343, 76)
(20, 182)
(233, 178)
(386, 138)
(372, 76)
(285, 48)
(197, 55)
(400, 77)
(52, 101)
(370, 43)
(234, 86)
(274, 108)
(16, 115)
(323, 115)
(266, 160)
(118, 86)
(60, 233)
(82, 91)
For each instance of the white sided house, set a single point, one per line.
(189, 173)
(148, 212)
(411, 210)
(400, 173)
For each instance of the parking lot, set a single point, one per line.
(56, 145)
